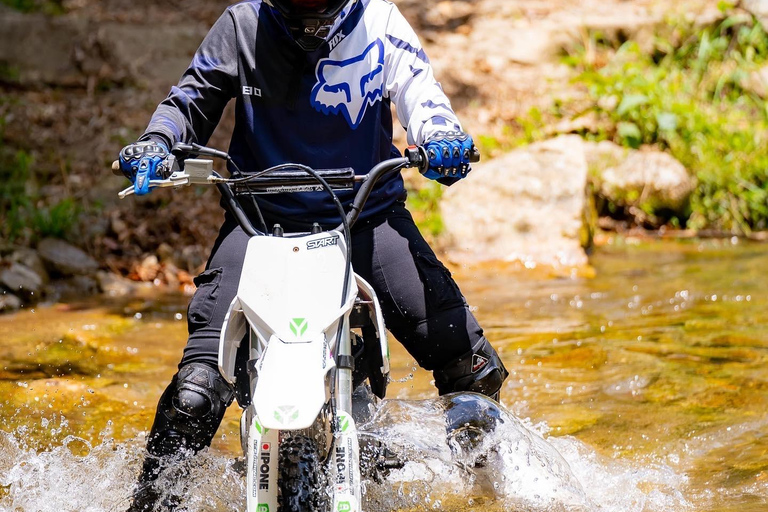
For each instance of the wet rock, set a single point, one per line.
(73, 288)
(22, 280)
(9, 302)
(603, 155)
(527, 205)
(644, 182)
(30, 259)
(66, 259)
(118, 286)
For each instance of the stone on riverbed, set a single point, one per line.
(531, 205)
(30, 259)
(527, 205)
(22, 281)
(9, 302)
(643, 182)
(66, 259)
(72, 288)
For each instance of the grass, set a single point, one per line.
(27, 216)
(424, 203)
(690, 95)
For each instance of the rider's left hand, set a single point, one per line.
(144, 161)
(449, 154)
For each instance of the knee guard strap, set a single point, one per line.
(190, 410)
(479, 370)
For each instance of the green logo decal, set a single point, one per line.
(344, 506)
(262, 507)
(299, 326)
(344, 423)
(286, 413)
(259, 428)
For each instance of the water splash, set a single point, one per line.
(78, 477)
(74, 476)
(511, 466)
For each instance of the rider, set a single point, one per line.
(314, 81)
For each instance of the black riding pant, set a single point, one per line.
(421, 303)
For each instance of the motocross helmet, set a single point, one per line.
(310, 21)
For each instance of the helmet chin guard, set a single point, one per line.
(310, 27)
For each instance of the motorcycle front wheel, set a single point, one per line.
(302, 483)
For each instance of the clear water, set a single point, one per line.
(641, 388)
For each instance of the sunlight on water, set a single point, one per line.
(513, 468)
(643, 389)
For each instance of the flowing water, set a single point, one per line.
(640, 388)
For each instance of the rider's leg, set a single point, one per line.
(479, 370)
(191, 408)
(423, 306)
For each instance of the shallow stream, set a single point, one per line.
(642, 388)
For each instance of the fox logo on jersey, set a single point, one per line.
(350, 86)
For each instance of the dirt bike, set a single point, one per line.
(302, 334)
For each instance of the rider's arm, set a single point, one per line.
(193, 108)
(421, 104)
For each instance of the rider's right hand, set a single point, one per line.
(144, 161)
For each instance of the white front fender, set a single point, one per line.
(291, 389)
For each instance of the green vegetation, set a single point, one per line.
(695, 94)
(26, 216)
(8, 73)
(52, 7)
(424, 204)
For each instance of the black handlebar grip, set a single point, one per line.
(116, 168)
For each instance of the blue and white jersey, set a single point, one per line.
(327, 109)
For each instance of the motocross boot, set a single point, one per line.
(188, 415)
(469, 416)
(479, 370)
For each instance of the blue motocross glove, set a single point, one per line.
(449, 156)
(144, 161)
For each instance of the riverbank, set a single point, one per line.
(518, 73)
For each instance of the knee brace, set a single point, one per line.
(190, 410)
(479, 370)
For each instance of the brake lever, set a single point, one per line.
(196, 172)
(177, 179)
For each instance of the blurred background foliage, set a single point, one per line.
(694, 91)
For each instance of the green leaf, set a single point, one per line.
(630, 134)
(666, 121)
(631, 102)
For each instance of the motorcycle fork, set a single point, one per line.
(263, 446)
(344, 459)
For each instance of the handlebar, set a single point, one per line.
(284, 178)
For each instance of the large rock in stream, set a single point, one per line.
(642, 182)
(527, 205)
(66, 259)
(532, 205)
